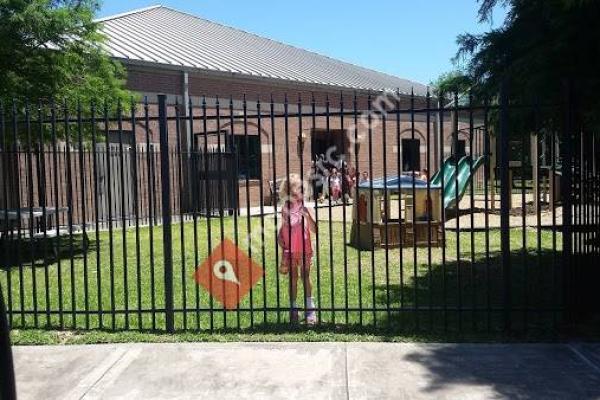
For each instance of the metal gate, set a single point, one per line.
(484, 242)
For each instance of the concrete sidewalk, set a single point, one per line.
(309, 371)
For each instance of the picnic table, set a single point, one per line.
(13, 214)
(37, 223)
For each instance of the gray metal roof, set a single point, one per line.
(161, 35)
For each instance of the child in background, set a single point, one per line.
(352, 176)
(324, 186)
(364, 177)
(335, 183)
(294, 239)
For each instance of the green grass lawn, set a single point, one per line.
(382, 294)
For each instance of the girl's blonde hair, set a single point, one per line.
(292, 186)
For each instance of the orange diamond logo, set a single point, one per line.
(228, 274)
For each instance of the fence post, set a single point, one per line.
(7, 375)
(566, 192)
(505, 194)
(165, 181)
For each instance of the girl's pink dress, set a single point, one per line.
(293, 237)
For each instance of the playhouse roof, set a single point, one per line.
(397, 182)
(161, 36)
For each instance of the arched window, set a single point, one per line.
(247, 148)
(457, 146)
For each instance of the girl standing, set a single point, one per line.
(294, 239)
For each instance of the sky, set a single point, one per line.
(412, 39)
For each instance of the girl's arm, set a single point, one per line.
(311, 221)
(285, 213)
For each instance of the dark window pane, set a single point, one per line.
(411, 160)
(248, 152)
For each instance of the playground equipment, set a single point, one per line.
(417, 205)
(546, 170)
(374, 222)
(457, 177)
(445, 172)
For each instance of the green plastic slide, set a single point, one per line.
(457, 183)
(447, 171)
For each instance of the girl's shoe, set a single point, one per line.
(311, 317)
(284, 268)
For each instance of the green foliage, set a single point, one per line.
(452, 82)
(540, 45)
(52, 49)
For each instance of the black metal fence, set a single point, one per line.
(7, 373)
(213, 172)
(427, 219)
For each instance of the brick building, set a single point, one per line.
(194, 60)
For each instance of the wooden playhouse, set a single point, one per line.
(397, 211)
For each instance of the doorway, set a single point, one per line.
(331, 144)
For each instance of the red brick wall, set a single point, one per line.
(281, 151)
(158, 81)
(171, 82)
(165, 81)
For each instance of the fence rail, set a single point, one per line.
(428, 217)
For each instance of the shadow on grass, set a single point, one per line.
(456, 300)
(473, 296)
(41, 252)
(452, 212)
